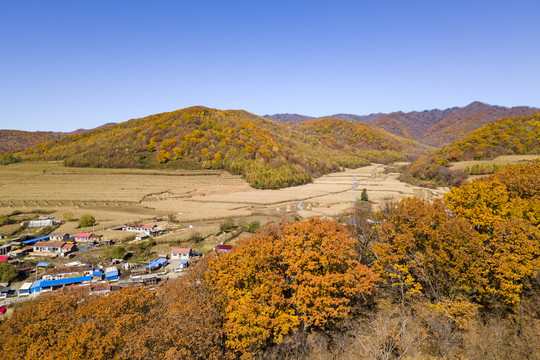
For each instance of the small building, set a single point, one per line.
(224, 248)
(53, 248)
(97, 275)
(83, 237)
(67, 272)
(36, 287)
(59, 236)
(95, 238)
(156, 264)
(42, 265)
(181, 253)
(52, 285)
(4, 258)
(5, 249)
(183, 265)
(112, 273)
(40, 223)
(142, 236)
(149, 229)
(4, 291)
(24, 290)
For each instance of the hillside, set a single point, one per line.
(15, 140)
(506, 136)
(467, 119)
(441, 127)
(267, 153)
(350, 136)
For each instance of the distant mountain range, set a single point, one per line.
(15, 140)
(431, 127)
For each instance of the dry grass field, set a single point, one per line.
(505, 159)
(198, 198)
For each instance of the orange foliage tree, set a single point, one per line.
(287, 275)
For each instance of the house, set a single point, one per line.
(149, 229)
(224, 248)
(24, 290)
(112, 273)
(96, 238)
(83, 237)
(58, 236)
(103, 288)
(97, 275)
(40, 223)
(67, 272)
(53, 248)
(181, 253)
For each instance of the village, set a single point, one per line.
(42, 267)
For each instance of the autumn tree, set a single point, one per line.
(424, 250)
(287, 275)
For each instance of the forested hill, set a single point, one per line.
(14, 140)
(431, 127)
(269, 154)
(506, 136)
(335, 134)
(441, 127)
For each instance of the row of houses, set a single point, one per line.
(60, 277)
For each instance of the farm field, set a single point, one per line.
(204, 197)
(505, 159)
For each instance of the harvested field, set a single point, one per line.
(198, 198)
(505, 159)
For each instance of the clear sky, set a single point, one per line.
(82, 63)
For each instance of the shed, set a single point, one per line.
(111, 273)
(142, 236)
(55, 284)
(156, 264)
(24, 290)
(4, 292)
(42, 265)
(3, 258)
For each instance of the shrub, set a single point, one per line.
(87, 220)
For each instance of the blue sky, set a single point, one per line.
(79, 64)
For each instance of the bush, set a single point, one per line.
(253, 226)
(4, 220)
(67, 216)
(227, 225)
(118, 252)
(87, 220)
(7, 272)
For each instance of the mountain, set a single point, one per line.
(16, 140)
(357, 118)
(288, 117)
(268, 153)
(348, 117)
(467, 119)
(441, 127)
